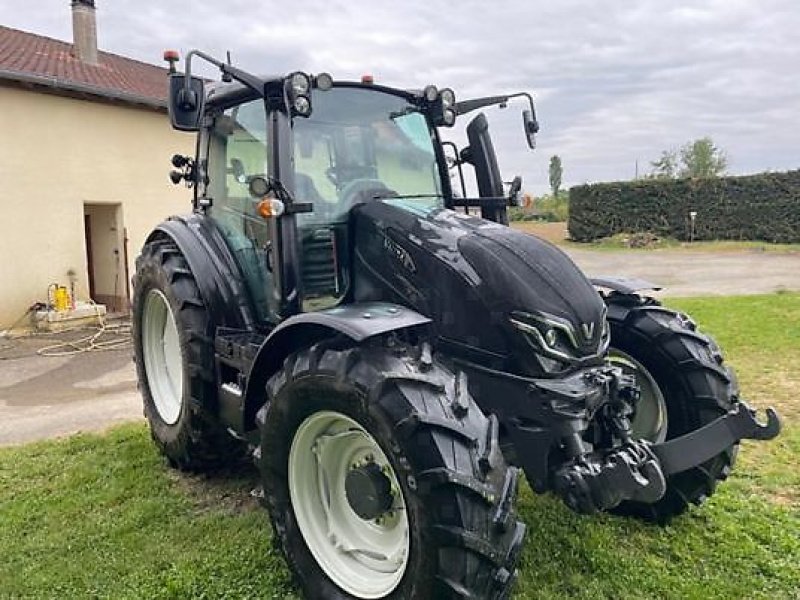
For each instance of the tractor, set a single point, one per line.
(391, 353)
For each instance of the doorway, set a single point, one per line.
(106, 254)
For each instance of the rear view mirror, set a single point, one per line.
(531, 126)
(237, 170)
(185, 102)
(514, 191)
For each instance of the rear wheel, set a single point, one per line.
(384, 479)
(174, 361)
(684, 385)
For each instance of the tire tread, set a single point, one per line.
(200, 443)
(443, 447)
(709, 390)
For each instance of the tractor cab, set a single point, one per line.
(283, 161)
(358, 145)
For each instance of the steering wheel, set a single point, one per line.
(359, 191)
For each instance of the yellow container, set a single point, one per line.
(61, 298)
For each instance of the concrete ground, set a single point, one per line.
(43, 397)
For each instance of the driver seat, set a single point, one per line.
(305, 190)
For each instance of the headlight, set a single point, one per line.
(557, 339)
(542, 338)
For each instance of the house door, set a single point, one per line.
(105, 255)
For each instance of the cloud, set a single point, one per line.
(616, 82)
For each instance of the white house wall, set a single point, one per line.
(59, 153)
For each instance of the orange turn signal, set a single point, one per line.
(270, 207)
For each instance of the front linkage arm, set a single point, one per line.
(700, 445)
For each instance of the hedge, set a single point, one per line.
(754, 207)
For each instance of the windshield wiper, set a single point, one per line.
(407, 196)
(402, 113)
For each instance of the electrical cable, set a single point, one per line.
(93, 342)
(6, 333)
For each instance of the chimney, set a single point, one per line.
(84, 31)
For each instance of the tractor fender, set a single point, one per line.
(357, 321)
(213, 268)
(623, 285)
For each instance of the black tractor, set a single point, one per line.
(334, 308)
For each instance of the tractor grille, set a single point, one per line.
(320, 277)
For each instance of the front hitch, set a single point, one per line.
(630, 472)
(637, 471)
(702, 444)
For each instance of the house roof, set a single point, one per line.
(37, 60)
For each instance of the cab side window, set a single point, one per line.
(237, 151)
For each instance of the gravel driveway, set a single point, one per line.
(687, 273)
(46, 397)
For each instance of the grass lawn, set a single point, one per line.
(101, 516)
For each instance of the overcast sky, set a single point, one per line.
(615, 81)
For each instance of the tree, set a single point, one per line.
(556, 172)
(701, 158)
(665, 167)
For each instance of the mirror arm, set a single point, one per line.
(251, 81)
(467, 106)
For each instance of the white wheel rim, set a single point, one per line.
(163, 362)
(650, 421)
(366, 559)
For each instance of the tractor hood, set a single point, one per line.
(488, 288)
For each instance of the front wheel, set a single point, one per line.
(384, 479)
(175, 362)
(684, 385)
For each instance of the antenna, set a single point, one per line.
(226, 77)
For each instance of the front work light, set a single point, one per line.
(300, 84)
(302, 106)
(431, 93)
(443, 106)
(297, 87)
(324, 81)
(448, 98)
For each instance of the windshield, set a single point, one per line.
(360, 145)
